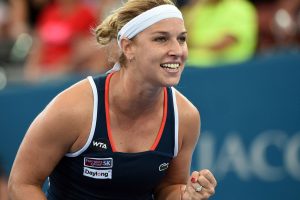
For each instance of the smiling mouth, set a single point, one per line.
(170, 65)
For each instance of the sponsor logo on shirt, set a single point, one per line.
(163, 166)
(97, 173)
(98, 162)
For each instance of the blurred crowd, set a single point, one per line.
(222, 32)
(46, 39)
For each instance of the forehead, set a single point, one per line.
(171, 25)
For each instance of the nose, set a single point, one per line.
(175, 48)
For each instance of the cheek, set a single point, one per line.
(185, 53)
(154, 55)
(149, 58)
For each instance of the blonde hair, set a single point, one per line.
(107, 31)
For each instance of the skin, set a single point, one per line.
(69, 116)
(3, 188)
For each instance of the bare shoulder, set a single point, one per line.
(189, 120)
(53, 133)
(69, 114)
(73, 99)
(188, 113)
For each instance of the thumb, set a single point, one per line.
(192, 180)
(182, 189)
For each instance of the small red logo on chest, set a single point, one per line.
(98, 162)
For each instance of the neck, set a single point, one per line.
(133, 98)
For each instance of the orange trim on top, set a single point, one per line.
(110, 138)
(162, 126)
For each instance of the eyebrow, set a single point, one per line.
(167, 33)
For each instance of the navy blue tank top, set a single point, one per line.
(99, 172)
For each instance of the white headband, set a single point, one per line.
(146, 19)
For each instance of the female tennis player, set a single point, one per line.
(125, 135)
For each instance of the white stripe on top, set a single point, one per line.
(176, 121)
(92, 131)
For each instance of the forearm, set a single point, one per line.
(25, 192)
(172, 192)
(226, 42)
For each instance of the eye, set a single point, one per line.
(182, 39)
(160, 39)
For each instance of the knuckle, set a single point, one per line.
(206, 195)
(200, 178)
(206, 172)
(195, 173)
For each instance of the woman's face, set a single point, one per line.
(160, 52)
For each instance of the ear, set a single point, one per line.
(127, 47)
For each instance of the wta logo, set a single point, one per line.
(100, 144)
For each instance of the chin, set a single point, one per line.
(172, 82)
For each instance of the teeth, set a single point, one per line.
(170, 65)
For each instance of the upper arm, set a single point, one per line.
(18, 11)
(50, 136)
(189, 131)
